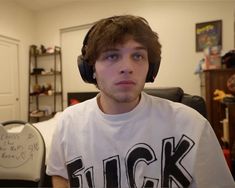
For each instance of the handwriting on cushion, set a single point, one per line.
(16, 149)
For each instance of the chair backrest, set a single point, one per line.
(174, 94)
(22, 153)
(177, 94)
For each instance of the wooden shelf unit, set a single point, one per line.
(53, 76)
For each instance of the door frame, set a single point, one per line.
(66, 31)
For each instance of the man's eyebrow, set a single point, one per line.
(141, 48)
(118, 49)
(109, 49)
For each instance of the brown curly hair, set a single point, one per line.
(108, 32)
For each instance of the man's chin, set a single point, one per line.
(126, 97)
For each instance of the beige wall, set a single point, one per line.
(18, 23)
(174, 21)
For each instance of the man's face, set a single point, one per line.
(121, 72)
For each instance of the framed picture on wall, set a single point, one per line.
(208, 34)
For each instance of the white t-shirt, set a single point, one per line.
(158, 144)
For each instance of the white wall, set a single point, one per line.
(17, 23)
(174, 21)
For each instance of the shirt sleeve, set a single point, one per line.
(211, 169)
(56, 161)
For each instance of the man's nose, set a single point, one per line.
(126, 65)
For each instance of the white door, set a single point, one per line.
(71, 43)
(9, 80)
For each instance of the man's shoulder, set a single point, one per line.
(75, 115)
(80, 108)
(169, 107)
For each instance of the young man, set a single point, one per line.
(124, 137)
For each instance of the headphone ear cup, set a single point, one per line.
(86, 70)
(152, 72)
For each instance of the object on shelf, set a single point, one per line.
(37, 89)
(37, 113)
(49, 72)
(33, 50)
(212, 57)
(230, 99)
(38, 70)
(228, 157)
(42, 89)
(231, 83)
(50, 92)
(50, 50)
(45, 88)
(43, 49)
(225, 124)
(200, 66)
(47, 110)
(57, 49)
(219, 95)
(229, 59)
(73, 101)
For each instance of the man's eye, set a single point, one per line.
(138, 56)
(111, 57)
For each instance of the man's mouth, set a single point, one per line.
(125, 82)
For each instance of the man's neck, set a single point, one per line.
(110, 106)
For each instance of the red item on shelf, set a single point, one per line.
(227, 155)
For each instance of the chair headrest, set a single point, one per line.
(171, 93)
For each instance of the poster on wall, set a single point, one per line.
(208, 34)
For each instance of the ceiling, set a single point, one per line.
(37, 5)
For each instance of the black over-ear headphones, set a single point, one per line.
(87, 70)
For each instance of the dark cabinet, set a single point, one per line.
(210, 81)
(231, 121)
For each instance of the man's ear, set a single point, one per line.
(86, 70)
